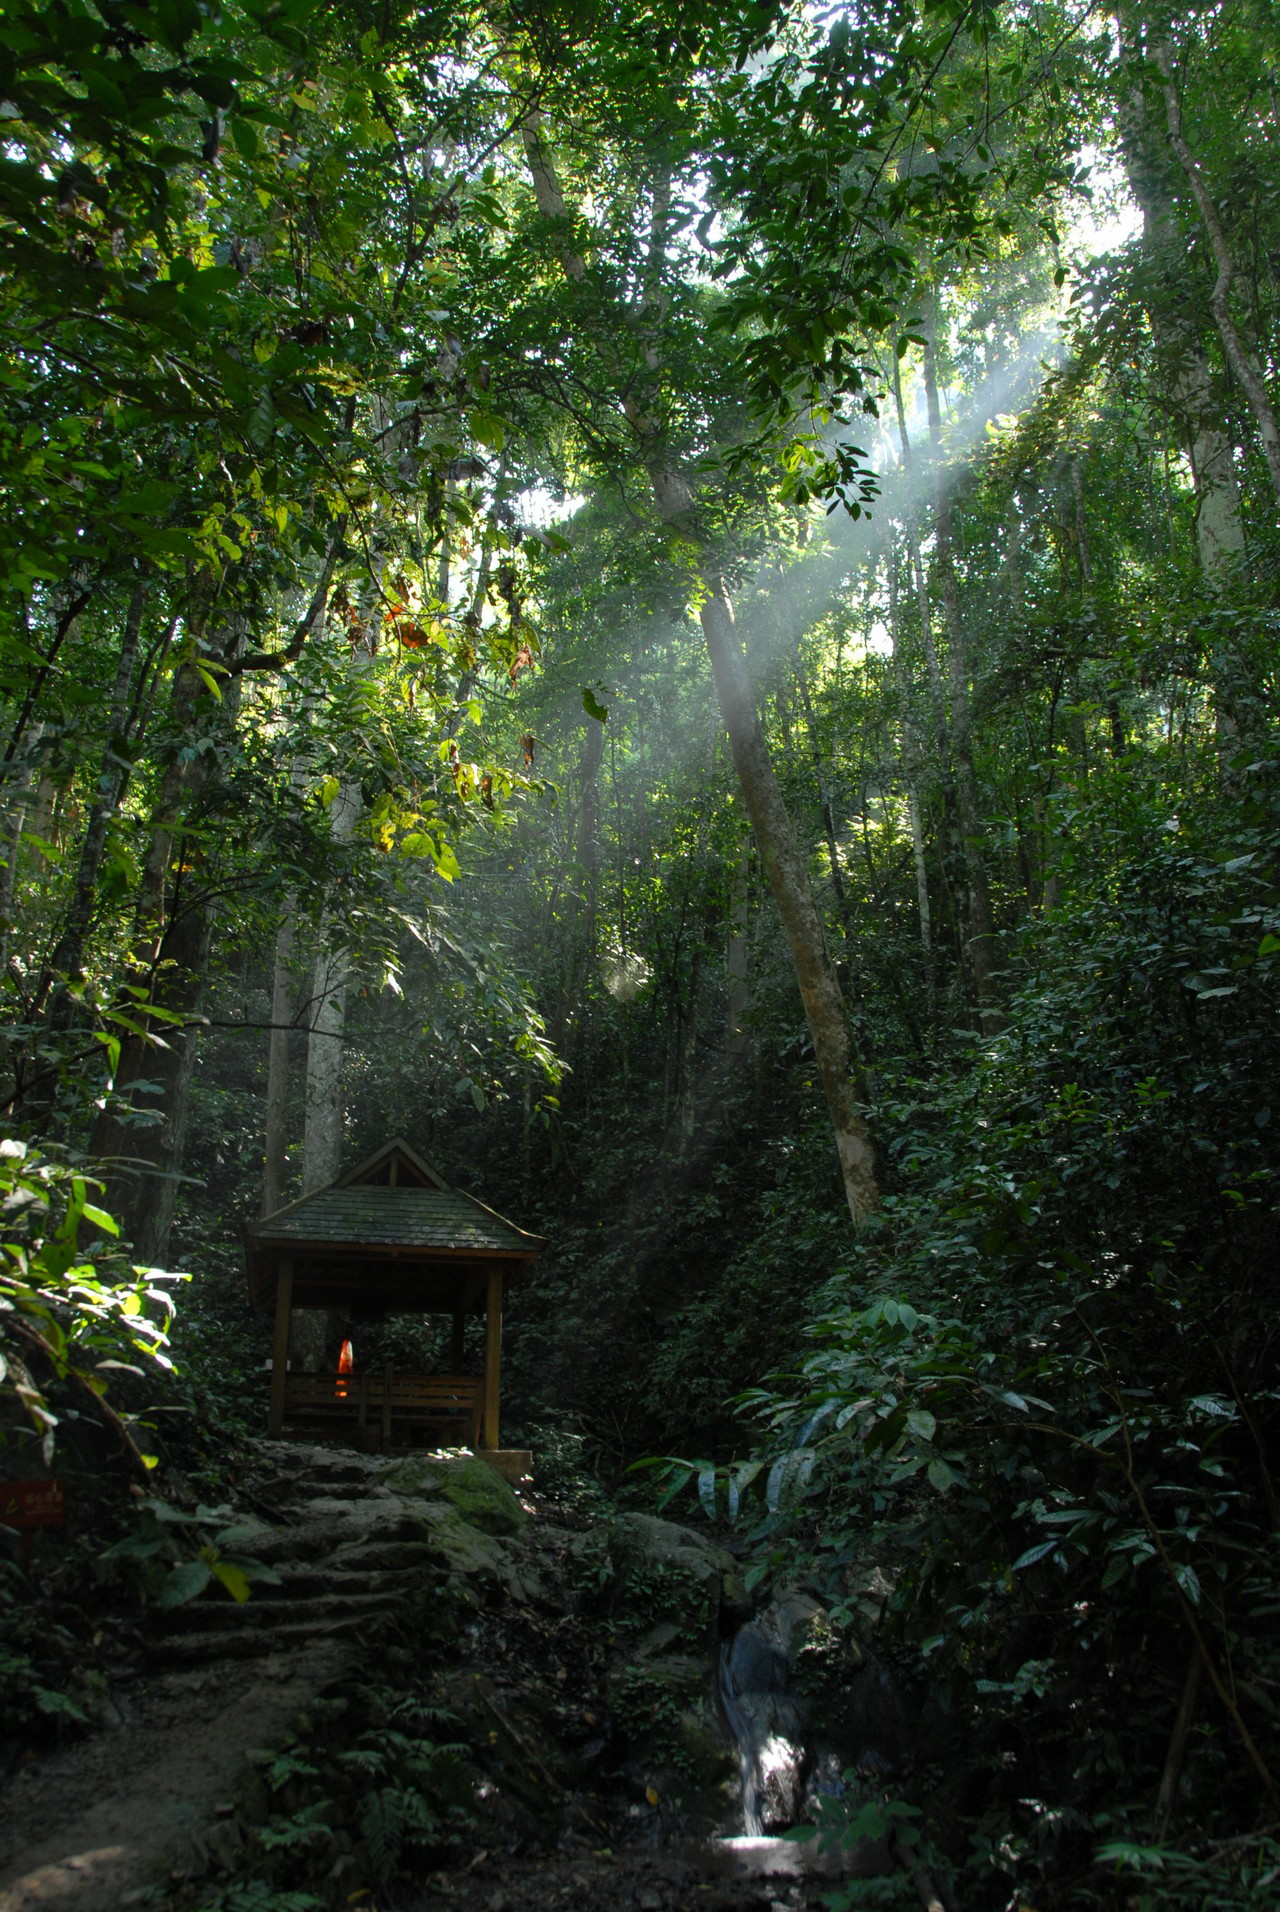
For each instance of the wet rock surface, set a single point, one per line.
(757, 1679)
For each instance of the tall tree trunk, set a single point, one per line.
(19, 797)
(911, 526)
(912, 756)
(1248, 373)
(169, 957)
(786, 868)
(982, 949)
(323, 1124)
(147, 1214)
(855, 970)
(583, 894)
(913, 763)
(1172, 304)
(1171, 313)
(788, 874)
(325, 1107)
(953, 876)
(738, 960)
(1084, 555)
(140, 1136)
(275, 1153)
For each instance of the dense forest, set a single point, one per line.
(678, 604)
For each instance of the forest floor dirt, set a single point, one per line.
(87, 1827)
(165, 1804)
(683, 1880)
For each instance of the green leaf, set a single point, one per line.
(739, 1481)
(184, 1582)
(1034, 1554)
(243, 1532)
(488, 429)
(593, 707)
(1121, 1852)
(262, 423)
(1189, 1580)
(232, 1579)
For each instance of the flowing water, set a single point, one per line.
(766, 1726)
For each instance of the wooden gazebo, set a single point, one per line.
(389, 1237)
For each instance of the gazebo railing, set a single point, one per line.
(447, 1407)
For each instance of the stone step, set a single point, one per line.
(324, 1581)
(201, 1616)
(330, 1539)
(295, 1499)
(203, 1649)
(321, 1464)
(346, 1553)
(325, 1576)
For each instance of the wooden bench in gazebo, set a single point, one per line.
(390, 1237)
(448, 1408)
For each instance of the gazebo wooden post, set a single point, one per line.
(280, 1349)
(492, 1357)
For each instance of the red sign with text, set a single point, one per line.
(32, 1503)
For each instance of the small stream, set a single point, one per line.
(765, 1723)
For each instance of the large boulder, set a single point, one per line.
(476, 1491)
(673, 1574)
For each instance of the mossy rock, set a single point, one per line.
(735, 1598)
(668, 1569)
(682, 1680)
(706, 1754)
(459, 1547)
(474, 1489)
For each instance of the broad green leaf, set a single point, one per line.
(1035, 1554)
(232, 1579)
(184, 1583)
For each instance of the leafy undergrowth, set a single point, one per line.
(133, 1540)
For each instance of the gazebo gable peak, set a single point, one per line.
(396, 1161)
